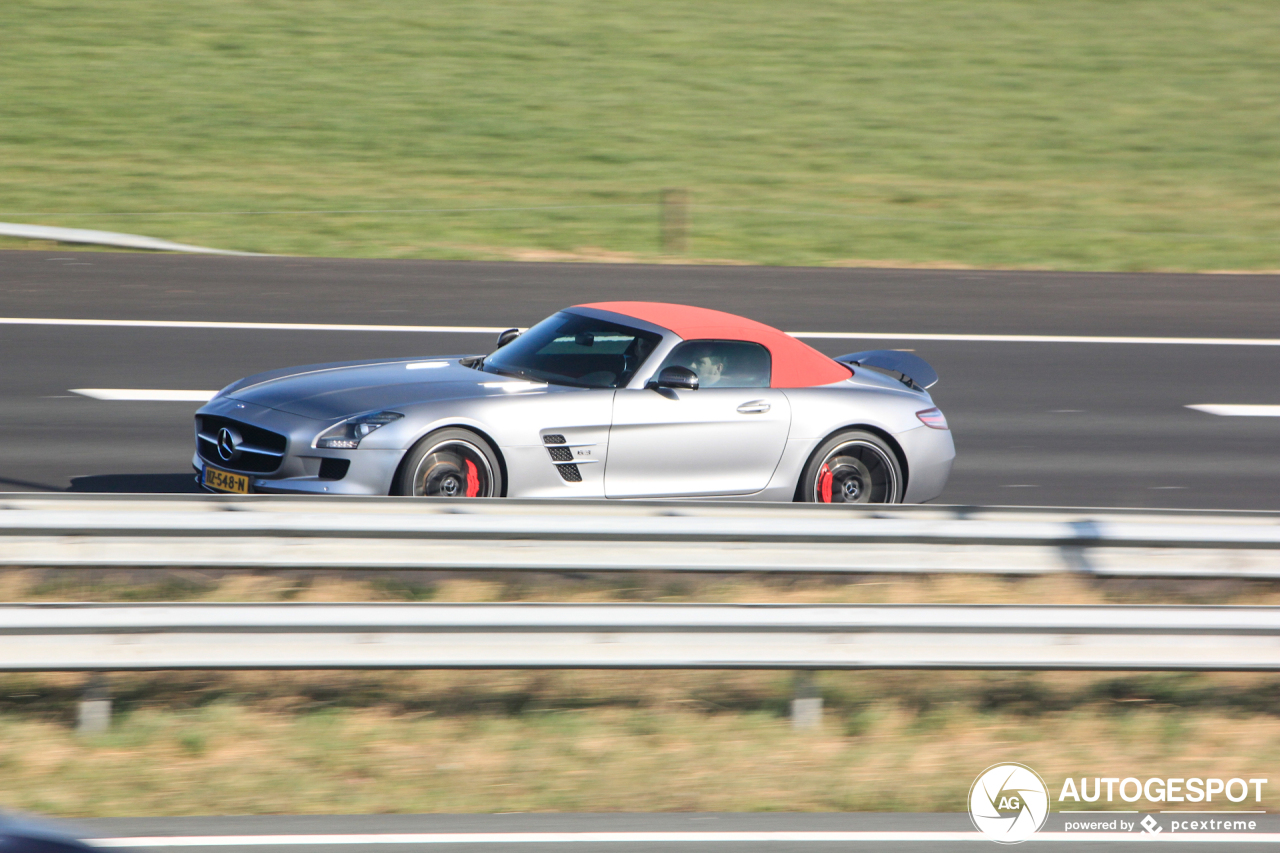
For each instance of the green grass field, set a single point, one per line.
(1081, 134)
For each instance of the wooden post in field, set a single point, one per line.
(675, 221)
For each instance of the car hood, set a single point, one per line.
(335, 391)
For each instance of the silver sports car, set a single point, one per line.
(608, 400)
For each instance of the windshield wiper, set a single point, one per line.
(507, 371)
(537, 376)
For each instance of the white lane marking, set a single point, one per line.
(147, 395)
(288, 327)
(486, 330)
(1043, 339)
(1228, 410)
(652, 837)
(524, 838)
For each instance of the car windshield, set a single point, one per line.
(570, 349)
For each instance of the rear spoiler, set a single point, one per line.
(908, 368)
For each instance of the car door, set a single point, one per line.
(724, 438)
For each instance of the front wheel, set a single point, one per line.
(451, 463)
(855, 467)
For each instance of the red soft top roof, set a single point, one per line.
(795, 364)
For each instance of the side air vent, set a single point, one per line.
(568, 457)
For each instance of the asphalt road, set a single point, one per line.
(1035, 423)
(676, 833)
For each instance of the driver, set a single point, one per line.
(708, 364)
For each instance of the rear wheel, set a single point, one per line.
(853, 466)
(451, 463)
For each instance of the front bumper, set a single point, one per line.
(368, 475)
(370, 470)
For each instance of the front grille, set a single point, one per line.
(553, 439)
(570, 473)
(261, 450)
(561, 454)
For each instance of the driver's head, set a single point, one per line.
(708, 364)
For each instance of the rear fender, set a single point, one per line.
(884, 436)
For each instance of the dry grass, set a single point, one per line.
(465, 742)
(313, 742)
(18, 585)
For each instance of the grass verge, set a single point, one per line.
(1081, 134)
(318, 742)
(602, 742)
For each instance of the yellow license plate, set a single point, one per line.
(225, 481)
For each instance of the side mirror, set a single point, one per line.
(507, 337)
(677, 378)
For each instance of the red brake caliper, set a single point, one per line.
(824, 484)
(473, 480)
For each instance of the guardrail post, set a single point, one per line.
(1075, 554)
(94, 714)
(806, 705)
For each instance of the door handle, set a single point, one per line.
(754, 407)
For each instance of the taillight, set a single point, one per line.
(933, 418)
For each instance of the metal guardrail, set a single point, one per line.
(110, 637)
(106, 238)
(426, 534)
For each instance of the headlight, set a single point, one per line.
(347, 435)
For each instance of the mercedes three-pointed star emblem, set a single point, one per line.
(226, 444)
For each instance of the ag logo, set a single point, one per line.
(1008, 803)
